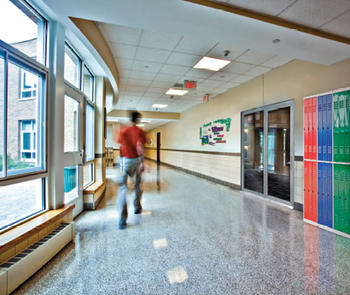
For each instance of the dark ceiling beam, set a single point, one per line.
(271, 20)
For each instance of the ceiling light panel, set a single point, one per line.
(174, 91)
(211, 64)
(159, 106)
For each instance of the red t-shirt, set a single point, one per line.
(128, 138)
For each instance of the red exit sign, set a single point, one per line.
(190, 84)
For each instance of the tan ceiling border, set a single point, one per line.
(271, 19)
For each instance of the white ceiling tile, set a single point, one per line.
(254, 57)
(257, 71)
(161, 84)
(183, 59)
(219, 51)
(124, 63)
(195, 46)
(121, 51)
(315, 13)
(172, 69)
(167, 77)
(152, 54)
(139, 82)
(211, 83)
(272, 7)
(120, 34)
(159, 40)
(146, 66)
(242, 79)
(223, 76)
(238, 67)
(135, 74)
(138, 88)
(150, 93)
(276, 61)
(339, 25)
(199, 74)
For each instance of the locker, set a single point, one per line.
(336, 124)
(310, 191)
(341, 197)
(314, 129)
(329, 116)
(314, 191)
(328, 194)
(306, 128)
(347, 125)
(320, 194)
(307, 190)
(324, 129)
(341, 126)
(320, 127)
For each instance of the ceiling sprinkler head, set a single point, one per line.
(226, 52)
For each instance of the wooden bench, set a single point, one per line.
(24, 235)
(93, 195)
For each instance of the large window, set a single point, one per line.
(72, 66)
(71, 124)
(90, 132)
(22, 112)
(23, 28)
(88, 83)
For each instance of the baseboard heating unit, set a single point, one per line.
(21, 267)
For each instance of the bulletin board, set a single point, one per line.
(215, 132)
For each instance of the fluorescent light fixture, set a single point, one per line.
(140, 125)
(211, 64)
(174, 91)
(145, 121)
(159, 106)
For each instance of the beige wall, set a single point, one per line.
(294, 80)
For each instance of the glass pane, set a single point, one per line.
(22, 29)
(71, 67)
(278, 153)
(253, 142)
(71, 124)
(90, 133)
(20, 116)
(71, 183)
(88, 175)
(2, 84)
(88, 83)
(18, 202)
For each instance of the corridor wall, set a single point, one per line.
(327, 159)
(180, 140)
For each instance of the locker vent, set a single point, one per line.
(22, 266)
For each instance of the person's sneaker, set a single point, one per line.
(122, 225)
(138, 210)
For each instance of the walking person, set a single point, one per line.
(131, 140)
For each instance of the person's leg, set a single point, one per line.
(121, 202)
(138, 192)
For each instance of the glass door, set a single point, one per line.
(267, 149)
(253, 151)
(278, 154)
(73, 147)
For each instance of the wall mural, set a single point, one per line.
(215, 132)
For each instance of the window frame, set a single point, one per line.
(23, 61)
(32, 133)
(92, 164)
(71, 50)
(21, 88)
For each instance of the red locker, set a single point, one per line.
(310, 190)
(306, 128)
(314, 191)
(314, 129)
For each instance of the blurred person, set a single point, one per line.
(131, 140)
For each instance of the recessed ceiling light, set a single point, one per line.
(174, 91)
(159, 106)
(145, 121)
(211, 64)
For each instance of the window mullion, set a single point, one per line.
(4, 158)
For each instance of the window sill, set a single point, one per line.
(93, 187)
(19, 233)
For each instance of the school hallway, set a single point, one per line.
(195, 237)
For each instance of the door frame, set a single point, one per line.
(158, 147)
(267, 108)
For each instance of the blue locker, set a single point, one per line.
(320, 194)
(329, 195)
(319, 127)
(325, 127)
(329, 137)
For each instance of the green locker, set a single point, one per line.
(341, 126)
(342, 198)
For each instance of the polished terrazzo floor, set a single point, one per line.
(195, 237)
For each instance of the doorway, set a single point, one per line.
(267, 149)
(158, 147)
